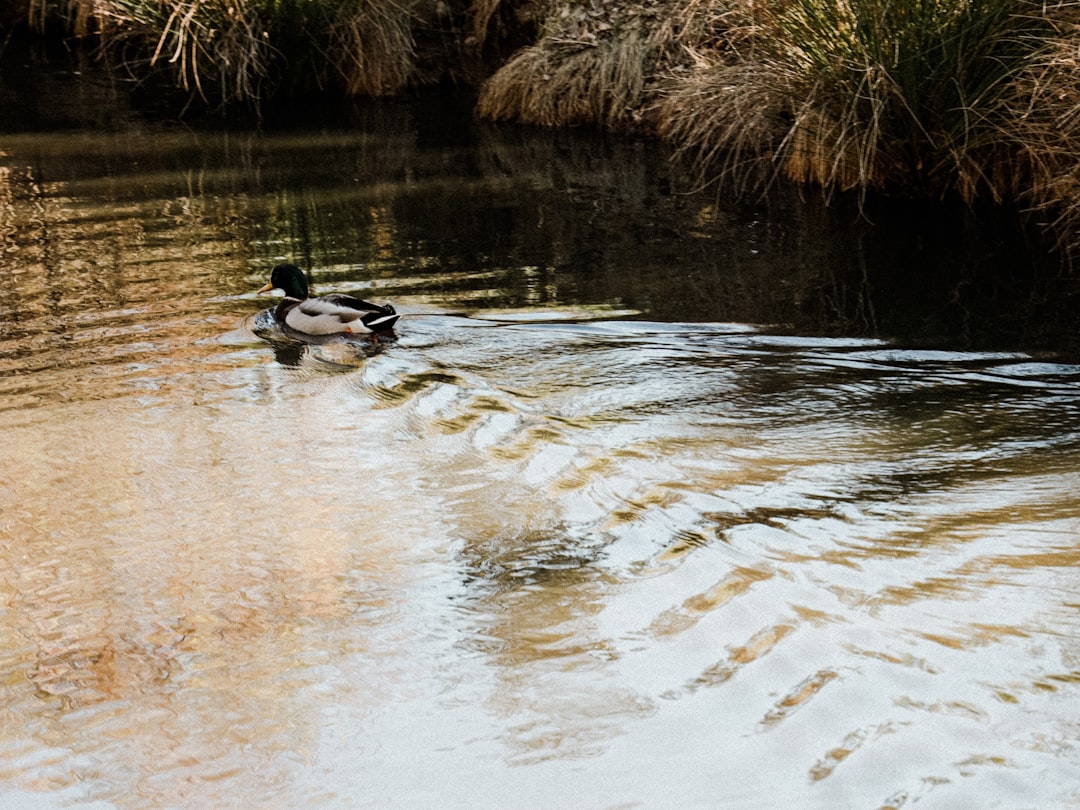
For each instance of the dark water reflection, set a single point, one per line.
(657, 499)
(485, 217)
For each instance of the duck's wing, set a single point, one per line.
(348, 302)
(340, 313)
(374, 317)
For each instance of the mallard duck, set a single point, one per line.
(327, 314)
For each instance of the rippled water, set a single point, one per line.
(554, 545)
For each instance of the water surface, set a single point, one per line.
(656, 500)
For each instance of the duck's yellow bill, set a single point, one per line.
(267, 288)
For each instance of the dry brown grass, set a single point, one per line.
(482, 12)
(923, 98)
(1046, 110)
(929, 98)
(372, 46)
(569, 84)
(243, 50)
(591, 66)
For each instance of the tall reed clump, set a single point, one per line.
(923, 97)
(1045, 115)
(591, 65)
(244, 50)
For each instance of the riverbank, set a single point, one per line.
(978, 102)
(927, 100)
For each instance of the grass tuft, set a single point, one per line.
(242, 50)
(908, 95)
(590, 66)
(976, 99)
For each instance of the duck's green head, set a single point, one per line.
(290, 279)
